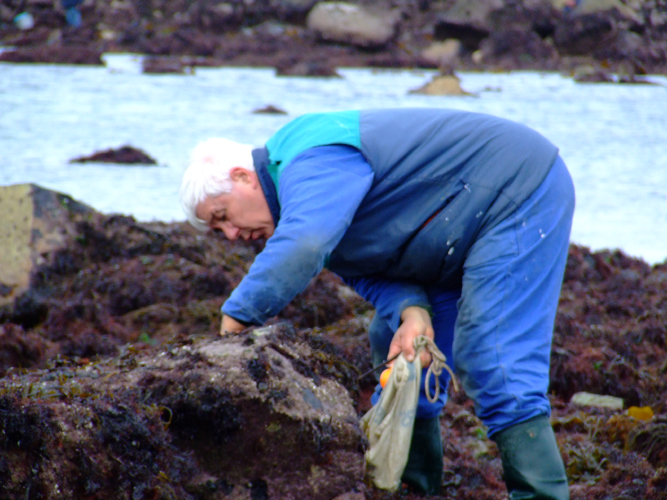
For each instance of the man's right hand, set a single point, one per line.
(416, 321)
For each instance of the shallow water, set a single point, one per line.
(613, 137)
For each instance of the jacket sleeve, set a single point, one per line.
(389, 297)
(319, 193)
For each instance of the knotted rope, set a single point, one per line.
(438, 362)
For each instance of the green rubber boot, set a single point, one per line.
(423, 472)
(532, 464)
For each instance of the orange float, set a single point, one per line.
(384, 376)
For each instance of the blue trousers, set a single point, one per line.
(496, 330)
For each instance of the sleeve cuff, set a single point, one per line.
(395, 320)
(245, 317)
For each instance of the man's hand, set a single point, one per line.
(230, 325)
(415, 321)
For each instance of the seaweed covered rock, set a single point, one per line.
(201, 419)
(106, 280)
(116, 384)
(611, 330)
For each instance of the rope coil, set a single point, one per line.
(438, 362)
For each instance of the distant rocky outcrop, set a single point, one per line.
(123, 155)
(270, 110)
(53, 55)
(493, 34)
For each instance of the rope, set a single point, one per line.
(438, 362)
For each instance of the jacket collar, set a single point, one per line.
(260, 158)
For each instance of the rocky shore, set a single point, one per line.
(312, 38)
(115, 384)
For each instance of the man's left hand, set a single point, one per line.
(230, 325)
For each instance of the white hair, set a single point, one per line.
(207, 174)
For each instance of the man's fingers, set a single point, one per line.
(408, 352)
(229, 325)
(425, 358)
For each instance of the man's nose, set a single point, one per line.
(231, 232)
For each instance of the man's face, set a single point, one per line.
(241, 213)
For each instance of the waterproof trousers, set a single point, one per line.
(496, 328)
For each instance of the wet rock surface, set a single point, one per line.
(115, 383)
(619, 35)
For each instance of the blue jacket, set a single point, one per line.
(390, 200)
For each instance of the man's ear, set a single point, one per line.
(240, 174)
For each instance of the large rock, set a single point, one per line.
(596, 26)
(353, 24)
(36, 223)
(254, 415)
(469, 22)
(441, 53)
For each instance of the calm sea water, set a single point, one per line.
(613, 137)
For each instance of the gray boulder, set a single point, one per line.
(352, 24)
(441, 53)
